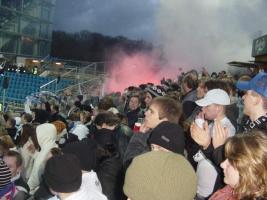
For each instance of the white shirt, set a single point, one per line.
(90, 189)
(80, 130)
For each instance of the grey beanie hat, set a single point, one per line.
(159, 175)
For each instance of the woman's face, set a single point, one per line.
(231, 175)
(148, 99)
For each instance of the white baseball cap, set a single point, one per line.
(215, 96)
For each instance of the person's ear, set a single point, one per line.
(257, 100)
(19, 169)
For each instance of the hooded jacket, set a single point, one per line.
(90, 189)
(46, 136)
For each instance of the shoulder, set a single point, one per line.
(91, 180)
(141, 137)
(227, 123)
(21, 185)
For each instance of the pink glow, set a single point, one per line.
(135, 70)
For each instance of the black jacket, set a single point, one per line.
(133, 116)
(110, 175)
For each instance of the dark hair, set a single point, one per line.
(75, 116)
(12, 122)
(86, 115)
(6, 116)
(106, 117)
(214, 74)
(87, 108)
(190, 82)
(230, 86)
(28, 131)
(216, 84)
(105, 103)
(55, 107)
(135, 96)
(78, 104)
(174, 95)
(47, 106)
(80, 97)
(17, 155)
(3, 148)
(56, 151)
(27, 117)
(41, 116)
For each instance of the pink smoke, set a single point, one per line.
(136, 69)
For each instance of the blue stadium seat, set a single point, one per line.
(21, 85)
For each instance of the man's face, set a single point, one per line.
(249, 100)
(210, 112)
(11, 163)
(152, 116)
(134, 103)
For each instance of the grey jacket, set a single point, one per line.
(137, 146)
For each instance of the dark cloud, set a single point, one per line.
(131, 18)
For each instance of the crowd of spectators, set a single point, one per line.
(199, 137)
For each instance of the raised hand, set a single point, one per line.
(201, 136)
(221, 134)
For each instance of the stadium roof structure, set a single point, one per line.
(26, 27)
(250, 64)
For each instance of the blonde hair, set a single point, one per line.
(248, 154)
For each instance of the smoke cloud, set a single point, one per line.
(192, 34)
(209, 33)
(135, 69)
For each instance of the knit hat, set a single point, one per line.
(169, 136)
(63, 173)
(5, 174)
(156, 90)
(158, 175)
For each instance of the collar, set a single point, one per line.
(15, 177)
(258, 123)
